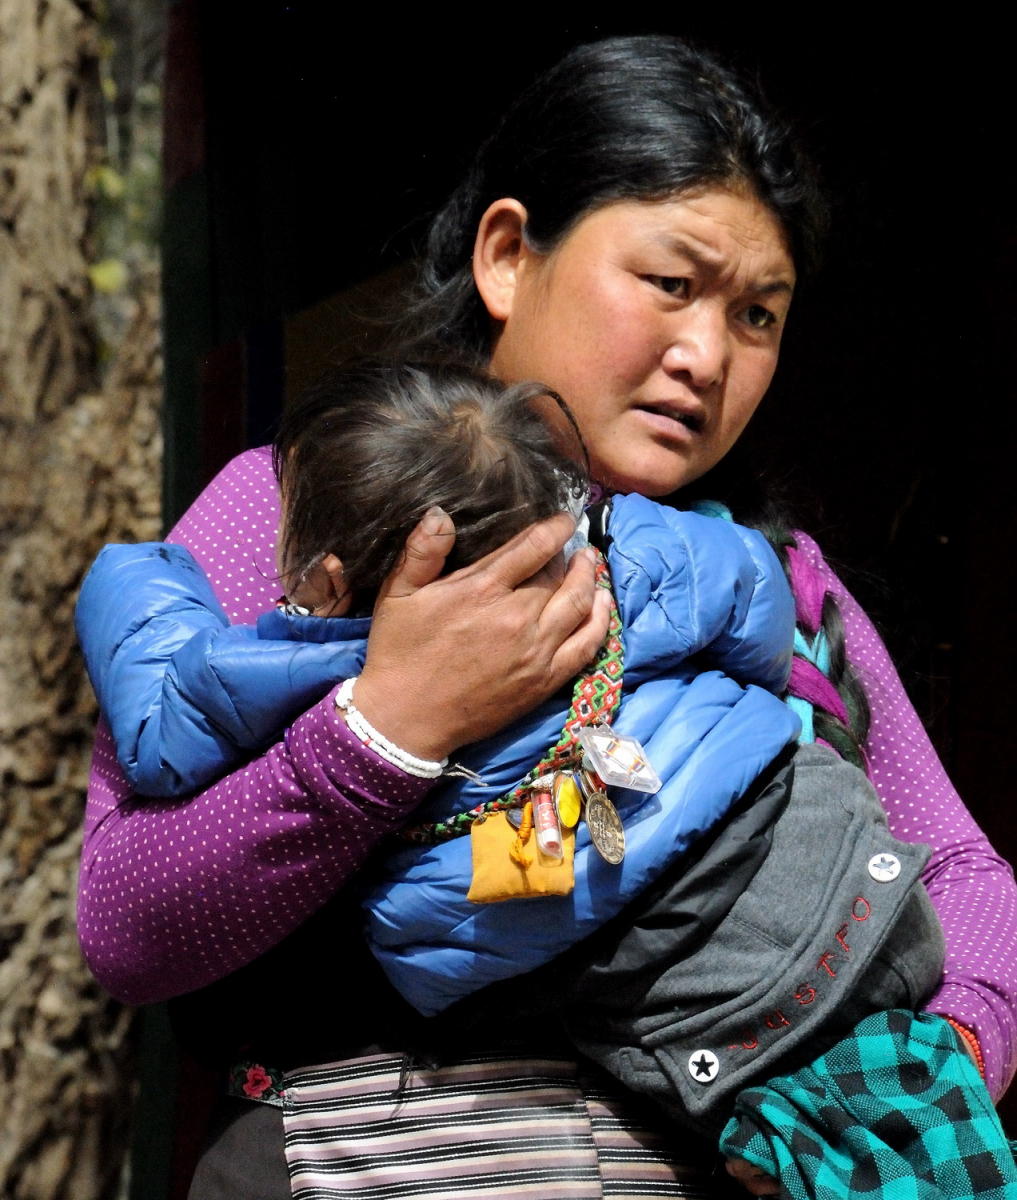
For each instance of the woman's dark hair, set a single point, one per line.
(372, 446)
(818, 616)
(628, 118)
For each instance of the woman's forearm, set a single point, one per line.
(175, 894)
(971, 887)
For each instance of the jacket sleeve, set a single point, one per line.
(970, 885)
(174, 894)
(186, 695)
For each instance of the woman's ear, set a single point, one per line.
(498, 254)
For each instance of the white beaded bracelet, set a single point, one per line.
(360, 727)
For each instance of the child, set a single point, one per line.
(360, 461)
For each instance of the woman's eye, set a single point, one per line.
(759, 317)
(673, 285)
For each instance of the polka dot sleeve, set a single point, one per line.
(970, 885)
(175, 894)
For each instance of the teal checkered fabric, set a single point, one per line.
(895, 1111)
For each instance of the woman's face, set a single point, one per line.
(659, 322)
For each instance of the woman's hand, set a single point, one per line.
(753, 1178)
(453, 659)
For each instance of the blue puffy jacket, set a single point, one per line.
(186, 696)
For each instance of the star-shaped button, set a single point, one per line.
(884, 868)
(704, 1066)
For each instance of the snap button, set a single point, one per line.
(884, 868)
(704, 1066)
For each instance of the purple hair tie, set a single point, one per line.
(809, 683)
(809, 590)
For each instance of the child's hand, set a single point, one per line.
(454, 658)
(753, 1178)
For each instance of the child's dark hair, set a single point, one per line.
(366, 451)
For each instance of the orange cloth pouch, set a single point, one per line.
(507, 864)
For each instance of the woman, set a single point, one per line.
(630, 235)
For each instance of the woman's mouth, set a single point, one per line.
(674, 420)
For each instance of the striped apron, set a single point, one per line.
(486, 1128)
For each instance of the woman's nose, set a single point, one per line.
(699, 348)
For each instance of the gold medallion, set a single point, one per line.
(606, 830)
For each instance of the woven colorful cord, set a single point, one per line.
(595, 698)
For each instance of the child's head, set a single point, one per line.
(370, 448)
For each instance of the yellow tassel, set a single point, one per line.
(517, 851)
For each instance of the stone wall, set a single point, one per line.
(79, 466)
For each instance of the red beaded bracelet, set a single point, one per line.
(972, 1044)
